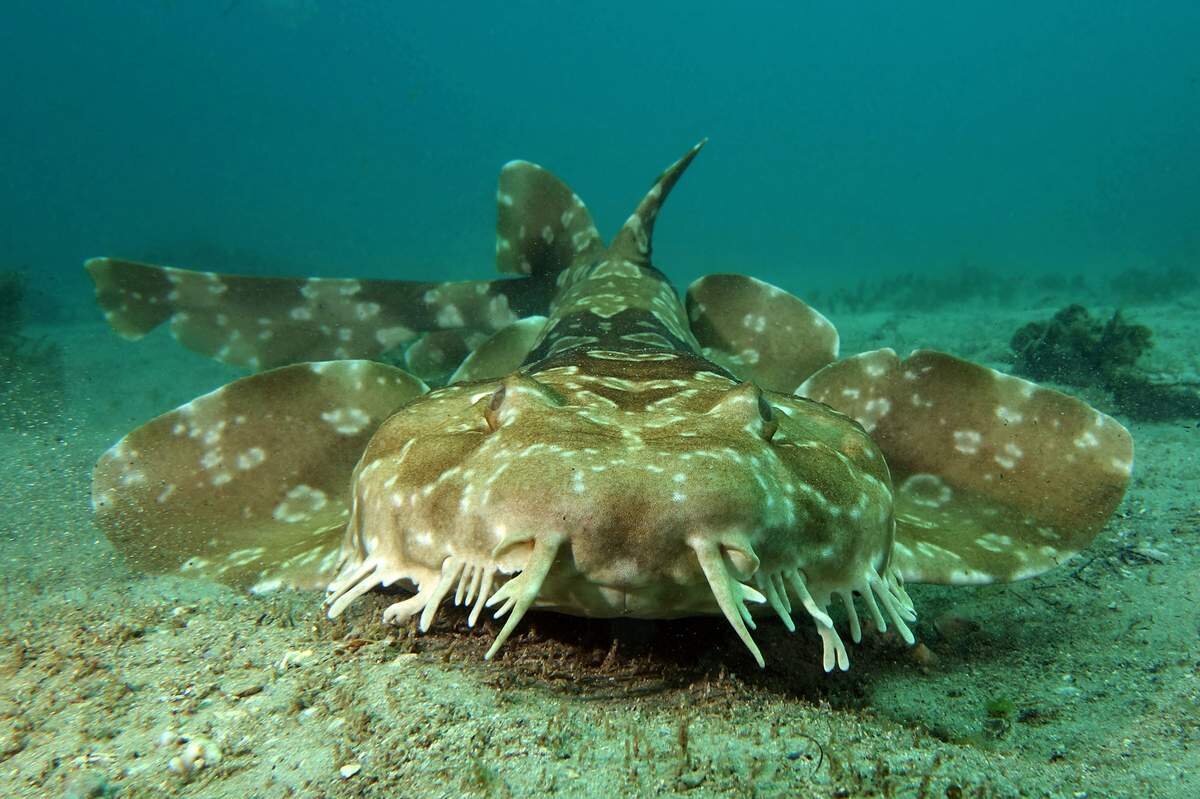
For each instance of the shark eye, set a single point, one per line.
(491, 414)
(770, 423)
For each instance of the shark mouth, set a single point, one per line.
(782, 590)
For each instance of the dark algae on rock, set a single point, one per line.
(1075, 348)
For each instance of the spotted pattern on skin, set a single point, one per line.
(263, 322)
(1010, 477)
(759, 331)
(620, 456)
(244, 468)
(541, 225)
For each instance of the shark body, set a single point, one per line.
(605, 449)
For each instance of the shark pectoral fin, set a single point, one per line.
(262, 322)
(135, 298)
(249, 484)
(503, 353)
(542, 226)
(996, 478)
(759, 332)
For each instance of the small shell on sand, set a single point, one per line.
(198, 752)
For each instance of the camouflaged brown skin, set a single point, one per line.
(613, 393)
(754, 329)
(223, 485)
(997, 478)
(653, 471)
(635, 481)
(264, 322)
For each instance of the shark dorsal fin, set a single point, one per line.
(633, 241)
(542, 226)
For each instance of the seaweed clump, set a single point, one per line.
(31, 371)
(1074, 348)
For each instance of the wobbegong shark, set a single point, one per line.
(601, 449)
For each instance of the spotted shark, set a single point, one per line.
(599, 447)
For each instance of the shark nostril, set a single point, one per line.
(770, 424)
(746, 405)
(491, 413)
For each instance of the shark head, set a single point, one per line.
(639, 484)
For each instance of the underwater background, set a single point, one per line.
(1014, 183)
(364, 138)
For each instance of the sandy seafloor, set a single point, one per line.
(105, 672)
